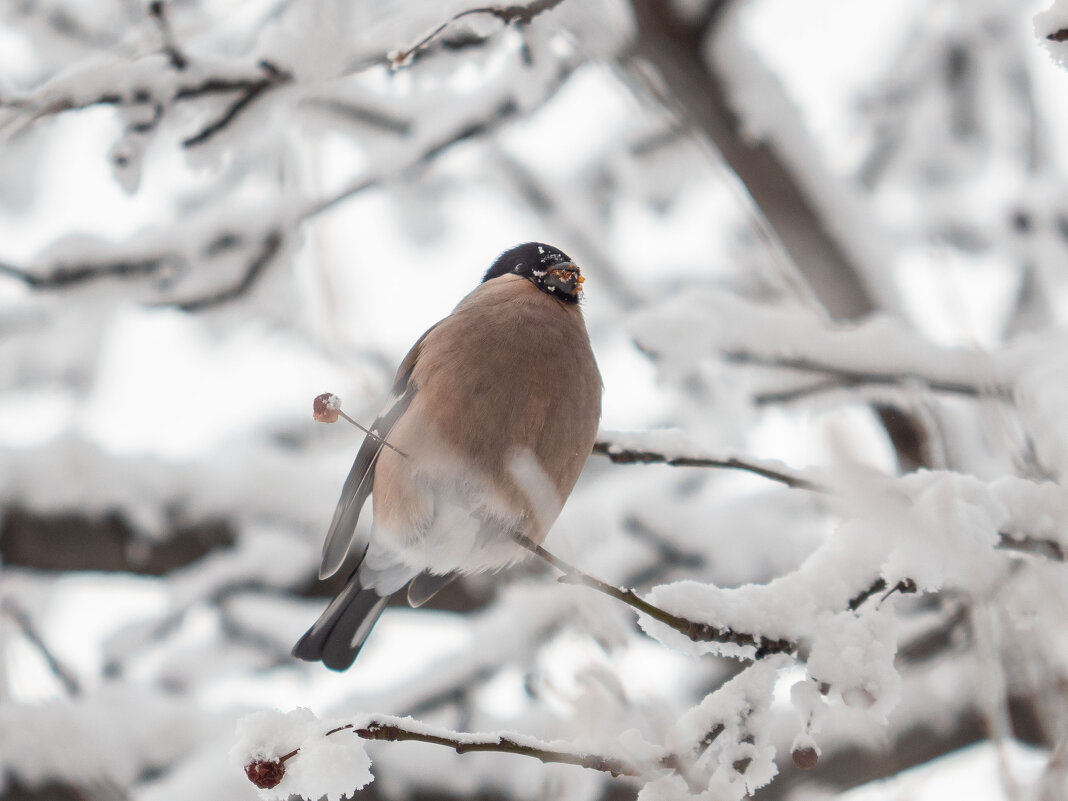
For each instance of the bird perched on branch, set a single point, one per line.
(492, 416)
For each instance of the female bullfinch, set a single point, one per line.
(492, 415)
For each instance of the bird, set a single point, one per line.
(492, 415)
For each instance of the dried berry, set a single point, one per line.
(265, 773)
(805, 758)
(325, 407)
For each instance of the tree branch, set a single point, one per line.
(1038, 546)
(698, 632)
(905, 587)
(471, 743)
(272, 243)
(518, 14)
(64, 674)
(71, 275)
(675, 46)
(621, 455)
(268, 773)
(273, 76)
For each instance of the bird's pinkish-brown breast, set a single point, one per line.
(532, 386)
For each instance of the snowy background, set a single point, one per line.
(826, 244)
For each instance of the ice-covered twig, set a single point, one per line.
(624, 455)
(698, 632)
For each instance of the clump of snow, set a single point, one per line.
(333, 766)
(726, 734)
(1050, 22)
(113, 735)
(670, 788)
(855, 657)
(700, 324)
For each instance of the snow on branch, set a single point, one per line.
(879, 350)
(1051, 26)
(247, 91)
(509, 15)
(844, 377)
(698, 632)
(295, 753)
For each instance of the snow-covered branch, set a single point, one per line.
(698, 632)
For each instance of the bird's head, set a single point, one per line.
(549, 269)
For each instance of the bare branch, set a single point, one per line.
(620, 455)
(65, 675)
(158, 11)
(675, 46)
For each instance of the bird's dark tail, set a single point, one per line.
(339, 633)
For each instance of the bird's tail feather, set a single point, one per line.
(339, 633)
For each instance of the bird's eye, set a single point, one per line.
(518, 267)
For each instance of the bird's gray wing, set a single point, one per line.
(339, 538)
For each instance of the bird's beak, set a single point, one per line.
(566, 278)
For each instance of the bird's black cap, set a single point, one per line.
(548, 268)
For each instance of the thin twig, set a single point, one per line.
(620, 455)
(467, 743)
(522, 14)
(698, 632)
(268, 773)
(905, 587)
(158, 11)
(273, 77)
(65, 675)
(272, 243)
(373, 435)
(70, 275)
